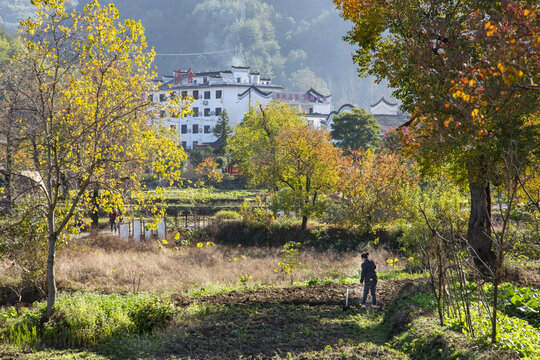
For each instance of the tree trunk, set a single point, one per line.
(8, 178)
(304, 222)
(51, 278)
(479, 230)
(95, 213)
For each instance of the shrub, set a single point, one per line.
(25, 242)
(148, 316)
(89, 319)
(228, 215)
(256, 217)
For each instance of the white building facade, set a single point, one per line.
(233, 90)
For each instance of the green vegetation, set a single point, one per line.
(203, 195)
(85, 319)
(143, 325)
(356, 130)
(227, 215)
(448, 227)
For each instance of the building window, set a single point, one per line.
(184, 94)
(311, 110)
(173, 95)
(183, 130)
(207, 94)
(195, 94)
(173, 127)
(195, 128)
(238, 80)
(195, 112)
(207, 112)
(207, 129)
(184, 144)
(218, 111)
(151, 98)
(163, 114)
(162, 97)
(218, 94)
(205, 79)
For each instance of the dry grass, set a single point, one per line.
(104, 263)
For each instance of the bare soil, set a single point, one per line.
(329, 294)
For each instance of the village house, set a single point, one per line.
(385, 112)
(233, 90)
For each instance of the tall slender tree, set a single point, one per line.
(85, 123)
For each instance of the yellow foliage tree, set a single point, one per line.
(85, 76)
(208, 172)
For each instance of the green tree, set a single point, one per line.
(356, 130)
(278, 151)
(86, 74)
(223, 131)
(254, 141)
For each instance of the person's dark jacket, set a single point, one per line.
(368, 271)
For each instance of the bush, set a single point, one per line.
(24, 242)
(89, 319)
(228, 215)
(148, 316)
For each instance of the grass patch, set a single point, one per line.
(12, 352)
(402, 275)
(227, 215)
(85, 320)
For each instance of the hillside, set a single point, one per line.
(297, 43)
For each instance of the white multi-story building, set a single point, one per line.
(233, 90)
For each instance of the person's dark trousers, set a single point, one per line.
(370, 285)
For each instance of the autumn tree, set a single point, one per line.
(85, 119)
(254, 141)
(278, 151)
(208, 173)
(306, 166)
(471, 90)
(356, 130)
(375, 187)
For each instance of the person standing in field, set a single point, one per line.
(368, 277)
(112, 220)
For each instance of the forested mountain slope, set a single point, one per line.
(297, 43)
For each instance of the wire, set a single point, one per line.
(201, 53)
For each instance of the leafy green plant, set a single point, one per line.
(523, 303)
(244, 279)
(289, 258)
(148, 316)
